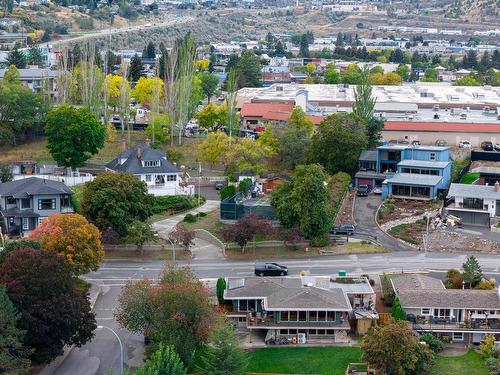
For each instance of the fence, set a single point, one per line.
(237, 206)
(148, 247)
(68, 180)
(205, 180)
(484, 155)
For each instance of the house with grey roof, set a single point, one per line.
(474, 204)
(40, 80)
(153, 168)
(306, 308)
(462, 315)
(25, 203)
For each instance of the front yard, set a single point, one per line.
(469, 363)
(411, 233)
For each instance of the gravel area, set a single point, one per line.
(449, 240)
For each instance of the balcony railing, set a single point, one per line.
(271, 322)
(445, 324)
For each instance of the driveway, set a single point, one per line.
(365, 209)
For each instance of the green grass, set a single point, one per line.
(470, 363)
(469, 178)
(399, 228)
(324, 361)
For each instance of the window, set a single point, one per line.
(25, 203)
(10, 200)
(65, 201)
(331, 316)
(284, 316)
(458, 336)
(148, 178)
(302, 316)
(46, 204)
(313, 316)
(426, 311)
(321, 332)
(293, 316)
(442, 313)
(243, 305)
(432, 156)
(473, 203)
(312, 331)
(321, 316)
(171, 177)
(151, 163)
(401, 190)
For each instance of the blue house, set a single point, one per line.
(406, 171)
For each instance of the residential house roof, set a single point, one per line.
(416, 282)
(130, 161)
(33, 186)
(487, 170)
(450, 298)
(442, 127)
(424, 163)
(368, 155)
(473, 191)
(414, 179)
(33, 73)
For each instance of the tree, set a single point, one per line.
(182, 237)
(246, 154)
(232, 62)
(73, 135)
(147, 89)
(35, 56)
(223, 354)
(352, 75)
(268, 139)
(393, 348)
(220, 288)
(293, 145)
(493, 363)
(209, 83)
(158, 129)
(202, 65)
(332, 75)
(139, 233)
(150, 51)
(164, 361)
(114, 84)
(403, 71)
(227, 192)
(14, 357)
(176, 311)
(52, 303)
(453, 279)
(304, 46)
(245, 229)
(136, 68)
(434, 344)
(6, 174)
(248, 70)
(16, 58)
(430, 75)
(212, 115)
(338, 143)
(72, 237)
(23, 243)
(374, 127)
(472, 271)
(397, 312)
(279, 50)
(364, 102)
(213, 148)
(114, 200)
(292, 236)
(487, 346)
(304, 201)
(468, 80)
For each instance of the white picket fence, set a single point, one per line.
(68, 180)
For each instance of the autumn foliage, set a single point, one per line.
(74, 238)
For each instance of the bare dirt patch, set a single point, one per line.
(344, 216)
(396, 209)
(446, 240)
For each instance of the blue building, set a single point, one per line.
(406, 171)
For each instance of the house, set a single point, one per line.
(462, 315)
(474, 204)
(37, 80)
(305, 308)
(487, 175)
(152, 167)
(268, 184)
(406, 171)
(275, 74)
(25, 203)
(257, 114)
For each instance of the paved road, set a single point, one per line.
(365, 209)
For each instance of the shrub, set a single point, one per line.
(190, 218)
(486, 284)
(201, 214)
(454, 279)
(434, 344)
(221, 286)
(227, 192)
(319, 242)
(387, 291)
(176, 203)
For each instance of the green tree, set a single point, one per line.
(150, 51)
(434, 343)
(136, 68)
(23, 243)
(332, 75)
(364, 102)
(73, 135)
(158, 129)
(430, 75)
(298, 119)
(227, 192)
(397, 312)
(52, 303)
(220, 288)
(468, 80)
(139, 233)
(164, 361)
(209, 83)
(374, 128)
(115, 200)
(248, 70)
(16, 58)
(14, 357)
(6, 174)
(223, 355)
(472, 271)
(304, 46)
(35, 56)
(393, 348)
(352, 75)
(293, 145)
(214, 147)
(338, 142)
(403, 71)
(487, 346)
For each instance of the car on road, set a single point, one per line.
(487, 146)
(497, 147)
(270, 269)
(441, 143)
(363, 190)
(464, 144)
(343, 229)
(219, 185)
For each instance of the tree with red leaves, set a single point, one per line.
(174, 312)
(53, 304)
(245, 229)
(182, 237)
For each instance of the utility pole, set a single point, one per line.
(199, 182)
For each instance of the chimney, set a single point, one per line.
(123, 144)
(497, 186)
(148, 142)
(139, 152)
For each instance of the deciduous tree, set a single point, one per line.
(114, 86)
(364, 102)
(23, 243)
(248, 70)
(245, 229)
(214, 147)
(158, 129)
(209, 83)
(73, 135)
(146, 89)
(138, 233)
(115, 200)
(182, 237)
(53, 305)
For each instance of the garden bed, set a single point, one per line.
(344, 216)
(411, 233)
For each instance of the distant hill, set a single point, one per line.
(473, 10)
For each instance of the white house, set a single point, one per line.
(151, 166)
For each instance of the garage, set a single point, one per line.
(365, 181)
(481, 219)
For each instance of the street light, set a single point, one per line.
(121, 345)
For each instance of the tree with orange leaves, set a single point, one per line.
(74, 238)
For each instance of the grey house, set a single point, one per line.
(25, 203)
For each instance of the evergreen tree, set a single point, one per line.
(340, 40)
(436, 60)
(495, 60)
(472, 271)
(397, 56)
(397, 312)
(221, 287)
(223, 355)
(279, 49)
(304, 46)
(232, 62)
(485, 62)
(212, 62)
(35, 56)
(164, 361)
(248, 70)
(16, 58)
(136, 68)
(150, 51)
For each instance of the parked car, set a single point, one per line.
(259, 129)
(403, 142)
(441, 143)
(464, 144)
(415, 143)
(393, 142)
(270, 269)
(363, 190)
(377, 191)
(487, 146)
(497, 147)
(343, 229)
(219, 185)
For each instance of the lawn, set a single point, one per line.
(324, 361)
(469, 178)
(470, 363)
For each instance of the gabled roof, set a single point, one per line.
(450, 298)
(416, 282)
(134, 157)
(473, 191)
(33, 186)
